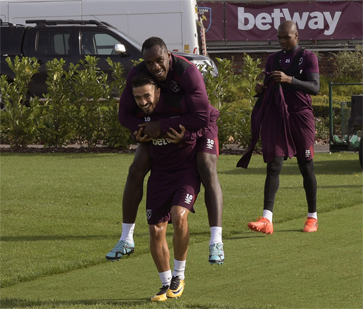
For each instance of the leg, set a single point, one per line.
(134, 184)
(159, 247)
(130, 203)
(309, 182)
(207, 168)
(272, 183)
(160, 253)
(310, 186)
(179, 217)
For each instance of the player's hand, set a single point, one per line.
(140, 137)
(259, 88)
(151, 129)
(281, 77)
(174, 136)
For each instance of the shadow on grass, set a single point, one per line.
(53, 237)
(114, 237)
(22, 303)
(245, 237)
(300, 231)
(331, 167)
(328, 187)
(261, 235)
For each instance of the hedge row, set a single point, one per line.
(80, 105)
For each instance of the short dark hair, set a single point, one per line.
(153, 41)
(143, 79)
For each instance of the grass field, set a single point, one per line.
(61, 213)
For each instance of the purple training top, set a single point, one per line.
(174, 178)
(308, 63)
(167, 157)
(183, 78)
(285, 119)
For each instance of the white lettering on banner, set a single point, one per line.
(263, 21)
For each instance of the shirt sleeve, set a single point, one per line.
(312, 83)
(197, 102)
(309, 86)
(312, 63)
(128, 107)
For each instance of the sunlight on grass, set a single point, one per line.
(62, 212)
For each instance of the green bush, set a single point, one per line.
(113, 134)
(232, 94)
(89, 88)
(251, 72)
(57, 127)
(348, 66)
(19, 117)
(80, 104)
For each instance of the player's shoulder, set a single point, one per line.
(181, 65)
(135, 71)
(308, 53)
(309, 58)
(140, 68)
(272, 56)
(270, 60)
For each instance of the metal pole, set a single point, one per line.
(330, 114)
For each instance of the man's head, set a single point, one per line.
(156, 57)
(146, 92)
(287, 35)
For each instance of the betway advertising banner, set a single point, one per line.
(315, 20)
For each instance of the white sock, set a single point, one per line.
(128, 232)
(267, 214)
(165, 277)
(179, 268)
(313, 215)
(215, 235)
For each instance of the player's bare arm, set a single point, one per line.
(174, 136)
(151, 128)
(140, 137)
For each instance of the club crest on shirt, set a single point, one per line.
(301, 61)
(174, 86)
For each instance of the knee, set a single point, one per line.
(138, 171)
(274, 168)
(179, 218)
(306, 167)
(156, 233)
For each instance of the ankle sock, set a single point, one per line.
(215, 235)
(165, 277)
(313, 215)
(128, 232)
(179, 268)
(267, 214)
